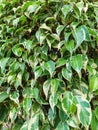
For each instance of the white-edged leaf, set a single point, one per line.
(3, 63)
(63, 126)
(81, 34)
(32, 8)
(27, 102)
(83, 110)
(44, 26)
(70, 46)
(73, 122)
(66, 9)
(15, 97)
(53, 100)
(67, 74)
(54, 85)
(60, 62)
(46, 87)
(59, 29)
(33, 123)
(77, 63)
(50, 66)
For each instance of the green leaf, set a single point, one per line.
(67, 103)
(60, 62)
(96, 112)
(73, 122)
(37, 72)
(77, 63)
(62, 115)
(83, 110)
(62, 125)
(51, 116)
(13, 114)
(33, 123)
(40, 37)
(70, 46)
(3, 63)
(15, 97)
(44, 26)
(53, 101)
(81, 34)
(26, 5)
(35, 93)
(27, 102)
(15, 22)
(3, 96)
(94, 122)
(67, 74)
(66, 9)
(17, 50)
(28, 45)
(59, 29)
(32, 8)
(24, 126)
(93, 83)
(80, 6)
(50, 66)
(46, 87)
(54, 85)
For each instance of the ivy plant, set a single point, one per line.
(48, 64)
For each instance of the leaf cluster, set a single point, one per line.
(48, 65)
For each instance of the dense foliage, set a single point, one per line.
(48, 65)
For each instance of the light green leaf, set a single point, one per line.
(66, 9)
(26, 5)
(94, 122)
(93, 83)
(3, 96)
(96, 112)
